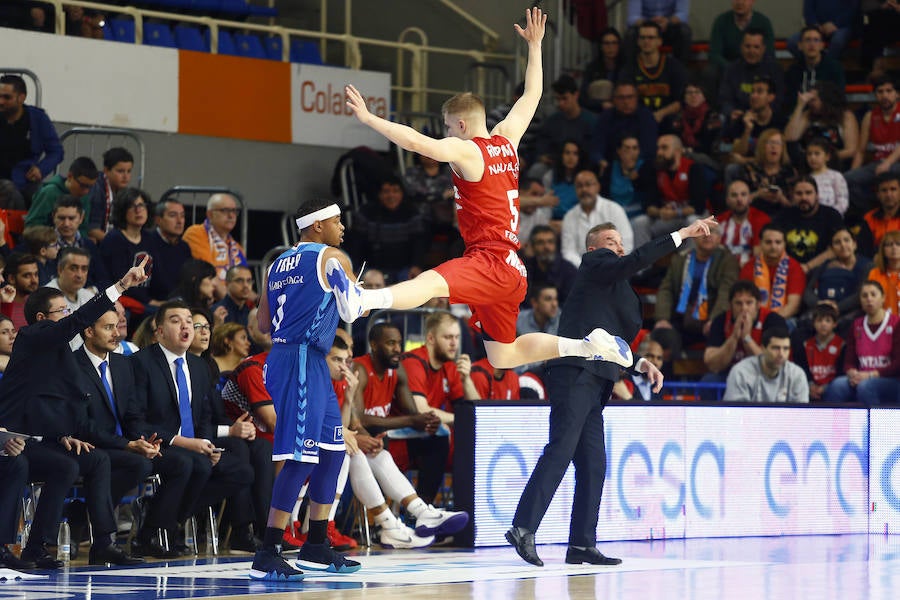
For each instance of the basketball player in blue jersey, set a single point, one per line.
(298, 307)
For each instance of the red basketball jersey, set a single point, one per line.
(488, 210)
(340, 390)
(823, 363)
(379, 392)
(441, 387)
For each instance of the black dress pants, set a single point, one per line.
(577, 398)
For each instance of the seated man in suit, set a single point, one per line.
(14, 475)
(107, 381)
(41, 396)
(174, 402)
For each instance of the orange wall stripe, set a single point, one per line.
(235, 97)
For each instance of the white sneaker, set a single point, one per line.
(398, 535)
(433, 521)
(347, 293)
(608, 347)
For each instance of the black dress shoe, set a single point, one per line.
(523, 541)
(8, 559)
(245, 541)
(41, 558)
(112, 555)
(591, 556)
(153, 549)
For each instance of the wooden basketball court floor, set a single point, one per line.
(840, 567)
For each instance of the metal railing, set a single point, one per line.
(94, 134)
(410, 87)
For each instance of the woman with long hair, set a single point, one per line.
(872, 358)
(606, 67)
(561, 178)
(196, 284)
(128, 243)
(822, 113)
(887, 270)
(770, 174)
(230, 345)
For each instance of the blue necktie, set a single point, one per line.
(184, 400)
(109, 396)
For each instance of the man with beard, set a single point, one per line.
(682, 192)
(592, 210)
(779, 278)
(742, 223)
(29, 147)
(21, 275)
(808, 225)
(879, 146)
(547, 266)
(438, 377)
(887, 216)
(542, 316)
(381, 379)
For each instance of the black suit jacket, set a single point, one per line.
(102, 420)
(603, 297)
(40, 393)
(157, 398)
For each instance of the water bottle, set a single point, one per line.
(64, 542)
(190, 534)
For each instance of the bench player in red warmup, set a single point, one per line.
(489, 277)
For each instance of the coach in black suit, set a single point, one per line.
(14, 475)
(40, 395)
(186, 425)
(108, 402)
(579, 389)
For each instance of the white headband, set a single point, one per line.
(329, 211)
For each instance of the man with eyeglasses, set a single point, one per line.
(29, 147)
(660, 78)
(40, 395)
(627, 115)
(811, 65)
(671, 16)
(212, 241)
(79, 180)
(239, 291)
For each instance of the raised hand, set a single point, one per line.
(699, 228)
(135, 275)
(535, 24)
(357, 104)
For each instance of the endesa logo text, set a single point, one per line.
(331, 100)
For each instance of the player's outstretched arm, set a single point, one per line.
(516, 122)
(442, 150)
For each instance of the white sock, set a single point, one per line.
(339, 488)
(363, 482)
(573, 347)
(375, 299)
(384, 518)
(416, 507)
(334, 507)
(394, 483)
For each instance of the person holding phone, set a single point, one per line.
(770, 174)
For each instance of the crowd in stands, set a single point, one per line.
(795, 298)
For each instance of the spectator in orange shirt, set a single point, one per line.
(887, 216)
(212, 241)
(887, 270)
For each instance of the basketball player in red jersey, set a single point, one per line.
(489, 277)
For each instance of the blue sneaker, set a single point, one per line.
(322, 557)
(347, 293)
(608, 347)
(268, 565)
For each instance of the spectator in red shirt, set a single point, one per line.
(780, 278)
(437, 379)
(493, 383)
(742, 223)
(822, 353)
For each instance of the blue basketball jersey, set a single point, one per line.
(302, 311)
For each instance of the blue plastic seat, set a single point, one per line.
(306, 52)
(226, 43)
(274, 47)
(189, 37)
(158, 34)
(238, 8)
(249, 46)
(205, 7)
(122, 30)
(262, 11)
(108, 33)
